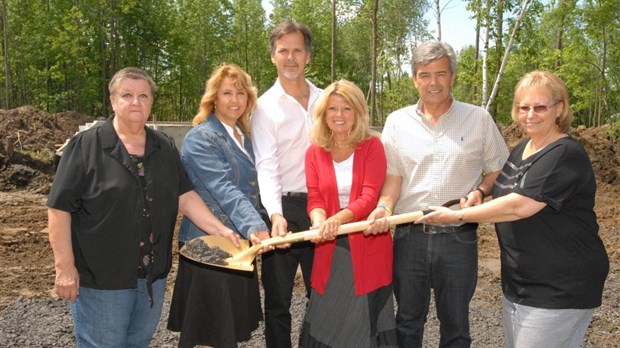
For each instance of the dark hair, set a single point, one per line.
(286, 27)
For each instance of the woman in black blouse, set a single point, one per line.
(112, 211)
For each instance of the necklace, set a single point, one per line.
(238, 136)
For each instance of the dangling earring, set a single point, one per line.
(557, 120)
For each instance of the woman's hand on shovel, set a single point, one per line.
(440, 216)
(377, 223)
(258, 237)
(229, 234)
(328, 230)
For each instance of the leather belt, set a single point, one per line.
(295, 194)
(433, 229)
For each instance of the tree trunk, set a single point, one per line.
(373, 80)
(5, 55)
(48, 79)
(114, 40)
(438, 18)
(499, 42)
(485, 51)
(560, 34)
(102, 60)
(474, 95)
(334, 27)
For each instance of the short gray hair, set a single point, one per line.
(131, 73)
(432, 50)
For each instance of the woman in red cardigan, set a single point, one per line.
(351, 302)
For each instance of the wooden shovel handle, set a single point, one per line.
(350, 227)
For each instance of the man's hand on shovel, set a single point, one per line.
(279, 227)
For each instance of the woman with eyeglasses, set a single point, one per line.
(554, 264)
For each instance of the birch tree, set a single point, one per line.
(515, 28)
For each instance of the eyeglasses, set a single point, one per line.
(538, 109)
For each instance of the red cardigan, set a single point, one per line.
(371, 255)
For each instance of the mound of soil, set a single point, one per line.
(30, 139)
(32, 316)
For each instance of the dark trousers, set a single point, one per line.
(279, 268)
(446, 262)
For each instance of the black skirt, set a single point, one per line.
(339, 318)
(214, 306)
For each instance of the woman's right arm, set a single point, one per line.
(206, 160)
(67, 280)
(192, 206)
(507, 208)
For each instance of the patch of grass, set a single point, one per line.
(43, 156)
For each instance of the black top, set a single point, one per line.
(555, 258)
(98, 183)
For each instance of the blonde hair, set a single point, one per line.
(321, 135)
(242, 81)
(548, 83)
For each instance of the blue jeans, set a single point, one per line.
(448, 263)
(117, 318)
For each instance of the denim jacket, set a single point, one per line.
(225, 178)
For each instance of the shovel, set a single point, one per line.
(226, 255)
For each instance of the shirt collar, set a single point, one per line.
(420, 103)
(314, 91)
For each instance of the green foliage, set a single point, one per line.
(61, 53)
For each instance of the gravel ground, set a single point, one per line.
(48, 323)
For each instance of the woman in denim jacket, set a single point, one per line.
(211, 305)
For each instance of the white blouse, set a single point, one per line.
(344, 179)
(229, 129)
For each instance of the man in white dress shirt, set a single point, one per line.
(280, 128)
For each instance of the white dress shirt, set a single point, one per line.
(280, 138)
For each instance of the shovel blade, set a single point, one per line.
(226, 245)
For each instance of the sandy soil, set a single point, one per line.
(31, 315)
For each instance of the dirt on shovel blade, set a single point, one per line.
(200, 251)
